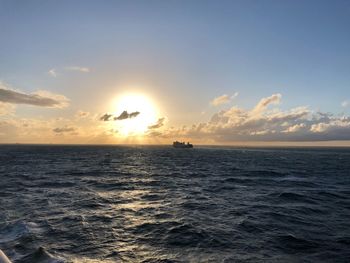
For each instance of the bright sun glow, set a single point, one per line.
(135, 103)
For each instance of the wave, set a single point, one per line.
(40, 255)
(294, 197)
(12, 231)
(293, 243)
(157, 205)
(19, 238)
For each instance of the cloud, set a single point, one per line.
(295, 128)
(64, 129)
(223, 99)
(154, 134)
(335, 124)
(79, 69)
(113, 131)
(134, 114)
(265, 123)
(125, 115)
(158, 124)
(345, 103)
(40, 98)
(8, 131)
(106, 117)
(265, 102)
(6, 108)
(51, 130)
(52, 73)
(220, 100)
(82, 114)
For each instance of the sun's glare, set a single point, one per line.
(132, 103)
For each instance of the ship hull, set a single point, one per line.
(183, 146)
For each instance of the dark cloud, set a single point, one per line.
(106, 117)
(64, 129)
(158, 124)
(155, 134)
(82, 114)
(134, 114)
(42, 99)
(125, 115)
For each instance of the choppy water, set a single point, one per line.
(158, 204)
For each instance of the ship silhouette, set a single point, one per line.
(177, 144)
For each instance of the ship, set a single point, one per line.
(177, 144)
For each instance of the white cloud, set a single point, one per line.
(345, 103)
(265, 102)
(79, 69)
(263, 123)
(295, 128)
(52, 73)
(334, 124)
(220, 100)
(223, 99)
(234, 95)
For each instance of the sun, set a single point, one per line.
(133, 103)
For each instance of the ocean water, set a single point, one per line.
(159, 204)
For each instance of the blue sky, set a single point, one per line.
(182, 53)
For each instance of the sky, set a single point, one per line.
(211, 72)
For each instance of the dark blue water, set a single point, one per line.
(159, 204)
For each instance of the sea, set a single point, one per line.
(160, 204)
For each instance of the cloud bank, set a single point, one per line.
(266, 122)
(263, 122)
